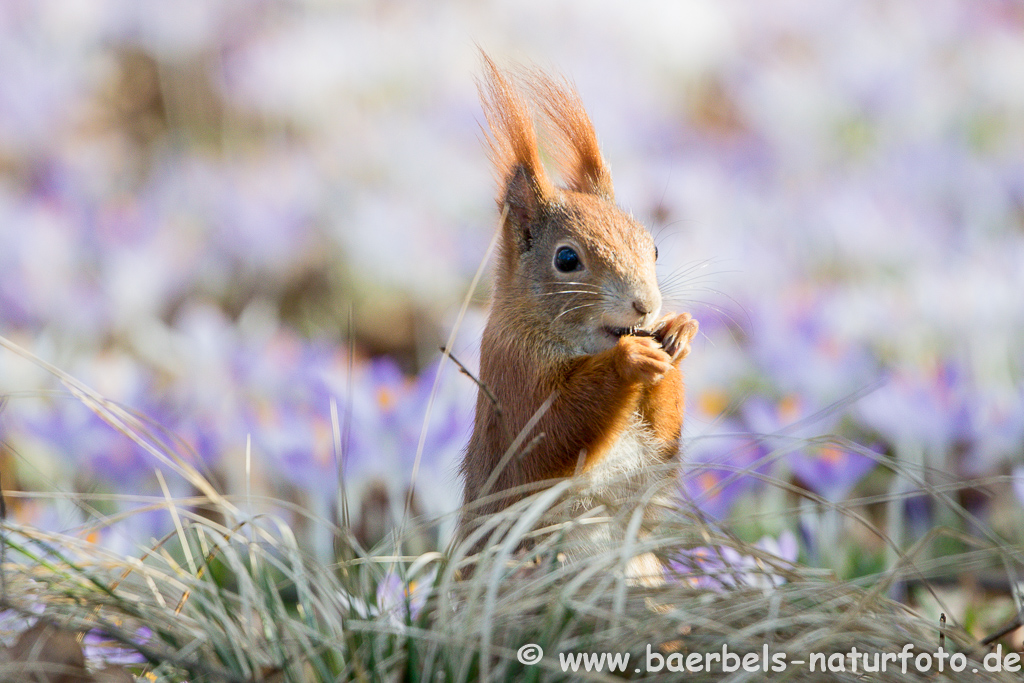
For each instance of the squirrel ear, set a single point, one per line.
(511, 137)
(576, 151)
(524, 204)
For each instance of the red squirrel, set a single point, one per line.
(574, 339)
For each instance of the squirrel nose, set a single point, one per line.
(640, 307)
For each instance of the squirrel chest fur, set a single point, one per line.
(581, 369)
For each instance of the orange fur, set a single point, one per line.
(512, 139)
(662, 408)
(575, 149)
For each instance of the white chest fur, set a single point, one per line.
(632, 473)
(627, 468)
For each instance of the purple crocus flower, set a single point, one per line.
(262, 212)
(45, 278)
(75, 434)
(136, 530)
(299, 443)
(790, 418)
(997, 428)
(802, 356)
(725, 567)
(388, 412)
(381, 414)
(830, 471)
(791, 427)
(448, 429)
(288, 412)
(925, 409)
(378, 394)
(719, 469)
(401, 601)
(100, 648)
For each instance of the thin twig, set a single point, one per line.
(1009, 628)
(483, 387)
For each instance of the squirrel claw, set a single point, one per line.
(675, 332)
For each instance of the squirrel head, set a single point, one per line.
(574, 267)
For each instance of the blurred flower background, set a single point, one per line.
(253, 222)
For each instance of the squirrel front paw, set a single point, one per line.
(641, 359)
(675, 331)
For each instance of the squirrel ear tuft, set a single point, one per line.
(575, 149)
(511, 138)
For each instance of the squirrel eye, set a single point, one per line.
(567, 260)
(655, 253)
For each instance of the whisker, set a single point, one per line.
(572, 291)
(679, 301)
(681, 280)
(677, 287)
(570, 310)
(678, 284)
(683, 272)
(581, 294)
(678, 293)
(696, 265)
(683, 291)
(574, 284)
(723, 312)
(581, 285)
(693, 272)
(693, 265)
